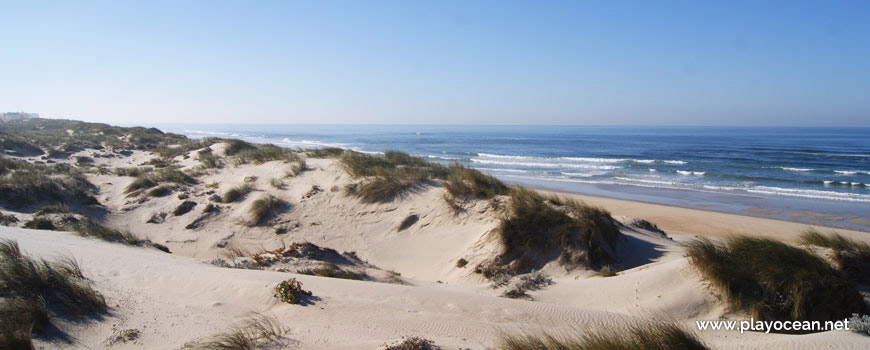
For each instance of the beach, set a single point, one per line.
(406, 259)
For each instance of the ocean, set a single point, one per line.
(813, 175)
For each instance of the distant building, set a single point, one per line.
(5, 117)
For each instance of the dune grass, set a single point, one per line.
(852, 257)
(233, 194)
(264, 153)
(251, 333)
(643, 336)
(772, 280)
(263, 209)
(154, 178)
(133, 171)
(233, 147)
(384, 189)
(297, 169)
(183, 147)
(413, 343)
(538, 226)
(276, 184)
(91, 228)
(462, 181)
(329, 152)
(23, 184)
(333, 271)
(30, 287)
(207, 159)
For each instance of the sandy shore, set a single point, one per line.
(697, 222)
(175, 300)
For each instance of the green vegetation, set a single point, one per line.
(850, 256)
(184, 147)
(647, 336)
(276, 184)
(233, 194)
(91, 228)
(298, 168)
(291, 292)
(332, 270)
(462, 182)
(264, 153)
(207, 159)
(133, 171)
(775, 281)
(539, 227)
(249, 334)
(414, 343)
(233, 147)
(264, 208)
(31, 287)
(330, 152)
(154, 178)
(23, 184)
(68, 136)
(383, 189)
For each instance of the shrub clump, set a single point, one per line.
(539, 229)
(291, 292)
(850, 256)
(23, 184)
(184, 208)
(333, 271)
(233, 194)
(775, 281)
(264, 208)
(30, 287)
(154, 178)
(647, 336)
(133, 171)
(413, 343)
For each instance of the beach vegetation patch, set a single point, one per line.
(850, 256)
(291, 292)
(233, 194)
(255, 331)
(264, 208)
(774, 281)
(642, 336)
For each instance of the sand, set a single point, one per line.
(180, 298)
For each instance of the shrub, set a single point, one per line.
(160, 162)
(57, 208)
(539, 226)
(264, 208)
(516, 292)
(133, 172)
(297, 168)
(208, 159)
(22, 184)
(264, 153)
(152, 179)
(461, 263)
(414, 343)
(276, 184)
(775, 281)
(646, 336)
(160, 191)
(31, 287)
(90, 227)
(255, 330)
(235, 193)
(384, 189)
(850, 256)
(40, 224)
(333, 271)
(290, 291)
(184, 208)
(329, 152)
(462, 182)
(233, 147)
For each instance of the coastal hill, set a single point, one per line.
(185, 243)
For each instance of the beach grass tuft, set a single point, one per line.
(253, 332)
(642, 336)
(233, 194)
(772, 280)
(850, 256)
(264, 208)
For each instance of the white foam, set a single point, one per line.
(546, 164)
(678, 162)
(652, 170)
(308, 143)
(697, 173)
(797, 169)
(846, 172)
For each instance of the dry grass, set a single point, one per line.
(646, 336)
(384, 189)
(207, 159)
(775, 281)
(92, 228)
(297, 169)
(333, 271)
(30, 287)
(251, 333)
(152, 179)
(233, 194)
(133, 171)
(851, 257)
(467, 182)
(264, 153)
(276, 184)
(23, 184)
(539, 228)
(264, 208)
(413, 343)
(234, 147)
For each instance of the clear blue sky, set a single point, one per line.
(456, 62)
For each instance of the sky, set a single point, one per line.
(728, 63)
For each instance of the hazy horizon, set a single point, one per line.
(445, 63)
